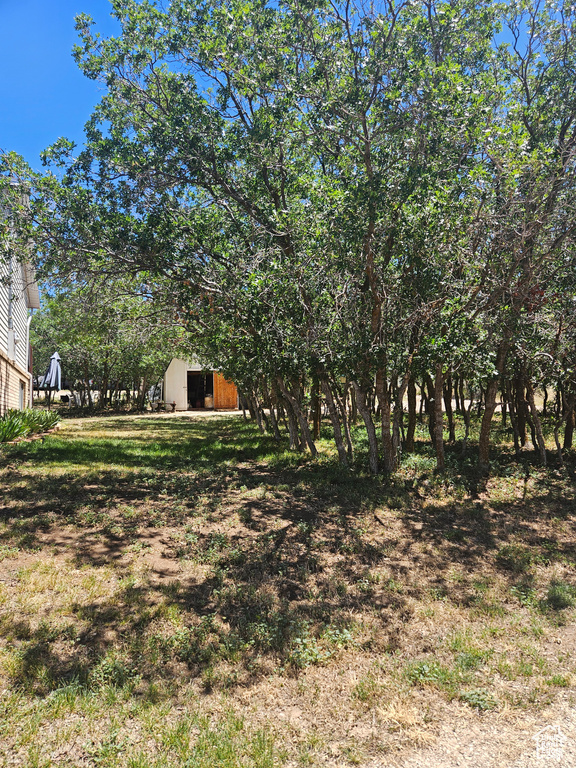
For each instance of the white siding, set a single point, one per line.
(13, 344)
(3, 306)
(20, 316)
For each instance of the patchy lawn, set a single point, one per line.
(183, 591)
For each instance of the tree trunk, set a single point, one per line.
(409, 444)
(353, 408)
(461, 388)
(370, 429)
(439, 419)
(316, 412)
(570, 420)
(398, 416)
(430, 410)
(456, 394)
(466, 411)
(389, 454)
(490, 405)
(304, 428)
(521, 409)
(513, 418)
(270, 405)
(423, 401)
(537, 423)
(448, 406)
(242, 399)
(336, 426)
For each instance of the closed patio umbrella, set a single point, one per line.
(53, 377)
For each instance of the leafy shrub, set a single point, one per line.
(12, 426)
(15, 424)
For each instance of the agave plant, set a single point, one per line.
(41, 421)
(13, 425)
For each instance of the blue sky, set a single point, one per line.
(43, 94)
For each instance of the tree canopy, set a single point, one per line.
(342, 198)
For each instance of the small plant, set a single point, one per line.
(16, 424)
(368, 690)
(13, 426)
(430, 673)
(560, 681)
(559, 596)
(525, 595)
(479, 698)
(515, 558)
(111, 671)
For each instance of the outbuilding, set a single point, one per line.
(191, 387)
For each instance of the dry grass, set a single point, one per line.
(185, 592)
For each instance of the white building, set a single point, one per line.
(190, 386)
(18, 295)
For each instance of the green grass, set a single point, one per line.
(166, 579)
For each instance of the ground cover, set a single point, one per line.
(182, 590)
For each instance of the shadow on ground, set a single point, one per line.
(255, 559)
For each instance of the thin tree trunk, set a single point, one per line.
(466, 415)
(570, 420)
(430, 410)
(383, 394)
(316, 413)
(369, 424)
(490, 405)
(305, 429)
(423, 402)
(537, 423)
(270, 405)
(242, 399)
(456, 393)
(513, 419)
(409, 444)
(353, 408)
(398, 416)
(521, 409)
(341, 405)
(448, 406)
(336, 426)
(439, 419)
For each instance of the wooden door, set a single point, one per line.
(225, 393)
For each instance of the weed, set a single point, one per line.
(431, 673)
(525, 594)
(479, 698)
(515, 558)
(559, 596)
(560, 681)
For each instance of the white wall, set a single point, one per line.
(176, 382)
(14, 343)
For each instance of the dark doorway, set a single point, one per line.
(200, 390)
